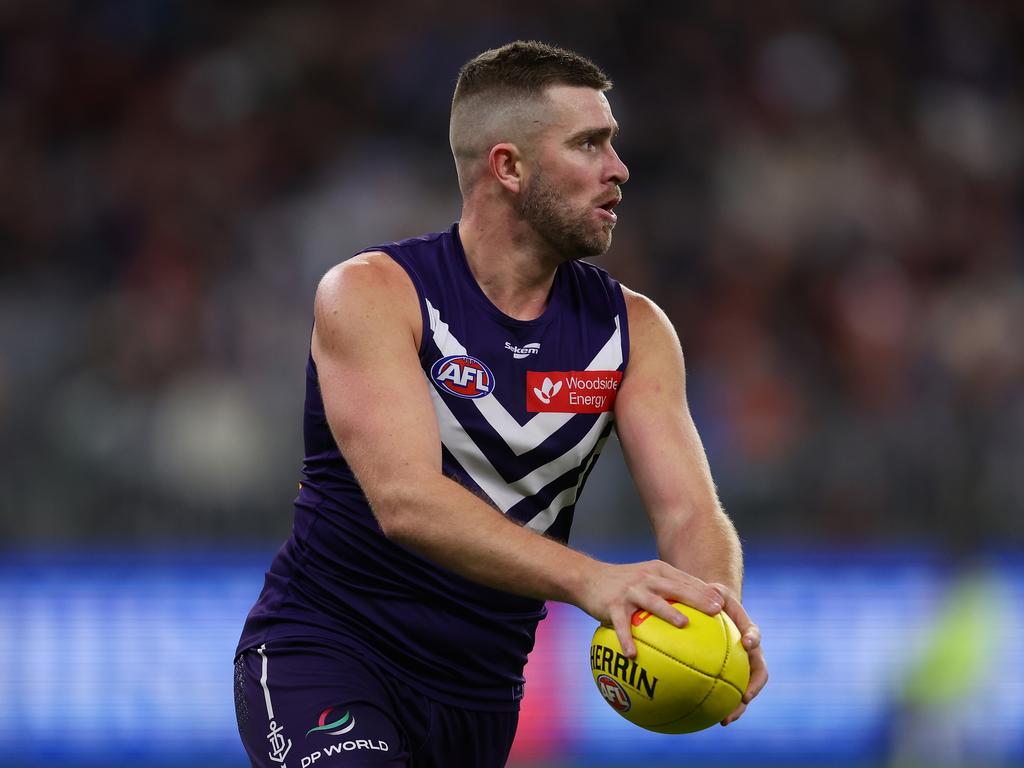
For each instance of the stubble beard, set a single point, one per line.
(571, 233)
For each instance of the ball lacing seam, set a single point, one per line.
(714, 678)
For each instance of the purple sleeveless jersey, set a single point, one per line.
(524, 408)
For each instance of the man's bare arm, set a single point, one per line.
(378, 403)
(668, 463)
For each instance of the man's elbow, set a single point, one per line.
(392, 516)
(398, 508)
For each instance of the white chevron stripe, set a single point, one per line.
(447, 343)
(507, 495)
(546, 517)
(522, 437)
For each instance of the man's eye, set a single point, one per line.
(589, 144)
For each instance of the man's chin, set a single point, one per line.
(591, 250)
(600, 247)
(583, 242)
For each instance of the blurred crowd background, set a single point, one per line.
(826, 197)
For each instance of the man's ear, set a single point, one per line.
(505, 164)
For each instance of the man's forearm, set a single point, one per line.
(441, 520)
(705, 545)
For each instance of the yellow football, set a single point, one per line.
(682, 679)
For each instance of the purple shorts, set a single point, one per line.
(301, 705)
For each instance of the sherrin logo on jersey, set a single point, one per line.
(571, 391)
(462, 376)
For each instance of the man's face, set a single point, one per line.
(575, 174)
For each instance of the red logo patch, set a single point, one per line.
(571, 391)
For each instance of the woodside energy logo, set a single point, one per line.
(571, 391)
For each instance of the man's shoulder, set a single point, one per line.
(372, 272)
(380, 266)
(406, 245)
(643, 308)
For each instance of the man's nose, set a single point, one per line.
(619, 173)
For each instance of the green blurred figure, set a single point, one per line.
(948, 680)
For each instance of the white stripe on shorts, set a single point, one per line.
(263, 682)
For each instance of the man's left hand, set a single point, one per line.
(751, 639)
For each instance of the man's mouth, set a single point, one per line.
(606, 208)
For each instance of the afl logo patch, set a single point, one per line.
(463, 376)
(613, 692)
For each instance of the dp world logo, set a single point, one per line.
(336, 727)
(614, 693)
(462, 376)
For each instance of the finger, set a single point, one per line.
(660, 607)
(689, 589)
(735, 610)
(758, 675)
(696, 595)
(736, 714)
(752, 637)
(623, 631)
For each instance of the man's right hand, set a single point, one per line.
(613, 593)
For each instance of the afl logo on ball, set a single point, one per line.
(462, 376)
(614, 693)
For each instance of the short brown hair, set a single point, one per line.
(498, 93)
(526, 68)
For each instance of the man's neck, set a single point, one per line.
(508, 263)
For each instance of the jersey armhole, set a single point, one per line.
(620, 308)
(425, 332)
